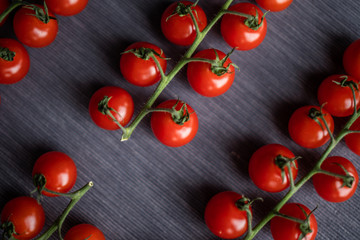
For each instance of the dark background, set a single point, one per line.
(144, 190)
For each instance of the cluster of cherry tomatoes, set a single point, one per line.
(54, 174)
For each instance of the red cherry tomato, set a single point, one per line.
(84, 231)
(66, 7)
(204, 80)
(331, 188)
(337, 96)
(351, 59)
(33, 32)
(285, 229)
(4, 4)
(352, 140)
(274, 5)
(236, 33)
(120, 101)
(27, 216)
(138, 71)
(178, 27)
(224, 218)
(170, 133)
(264, 171)
(12, 71)
(307, 132)
(59, 171)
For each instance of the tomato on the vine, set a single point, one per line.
(224, 218)
(32, 30)
(274, 5)
(351, 59)
(177, 24)
(66, 7)
(335, 189)
(58, 171)
(23, 218)
(336, 96)
(118, 101)
(285, 229)
(352, 140)
(138, 67)
(242, 32)
(4, 4)
(208, 79)
(268, 167)
(84, 231)
(307, 128)
(169, 132)
(14, 61)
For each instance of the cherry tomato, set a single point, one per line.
(285, 229)
(274, 5)
(4, 4)
(224, 218)
(170, 133)
(120, 102)
(66, 7)
(33, 32)
(307, 131)
(239, 35)
(331, 188)
(138, 67)
(84, 231)
(351, 59)
(204, 79)
(336, 95)
(178, 27)
(59, 171)
(265, 172)
(27, 216)
(15, 61)
(352, 140)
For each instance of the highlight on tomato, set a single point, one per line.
(14, 61)
(286, 229)
(334, 188)
(351, 59)
(110, 107)
(35, 26)
(247, 31)
(22, 218)
(54, 171)
(307, 126)
(336, 95)
(269, 167)
(84, 231)
(211, 79)
(4, 4)
(177, 24)
(137, 65)
(274, 5)
(174, 123)
(66, 7)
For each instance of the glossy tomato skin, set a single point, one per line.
(263, 171)
(203, 80)
(31, 31)
(352, 140)
(274, 5)
(330, 188)
(26, 214)
(4, 4)
(284, 229)
(14, 71)
(236, 33)
(338, 100)
(180, 30)
(170, 133)
(224, 218)
(120, 100)
(351, 59)
(141, 72)
(84, 231)
(59, 171)
(66, 7)
(305, 131)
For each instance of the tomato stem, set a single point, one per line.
(15, 4)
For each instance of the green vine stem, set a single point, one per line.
(12, 7)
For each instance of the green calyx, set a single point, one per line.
(8, 230)
(180, 116)
(217, 66)
(183, 10)
(348, 180)
(345, 82)
(103, 105)
(316, 115)
(253, 21)
(244, 203)
(144, 53)
(6, 54)
(305, 225)
(41, 14)
(282, 162)
(39, 181)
